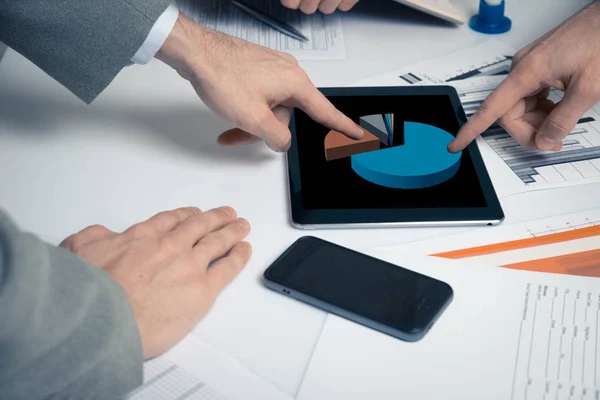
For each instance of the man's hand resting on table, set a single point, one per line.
(324, 6)
(566, 58)
(251, 86)
(162, 263)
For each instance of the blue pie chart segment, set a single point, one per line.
(422, 161)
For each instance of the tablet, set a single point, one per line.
(399, 174)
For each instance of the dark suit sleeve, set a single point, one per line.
(67, 329)
(82, 44)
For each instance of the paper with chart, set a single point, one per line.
(475, 72)
(325, 34)
(507, 335)
(194, 370)
(568, 245)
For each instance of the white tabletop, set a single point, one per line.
(148, 144)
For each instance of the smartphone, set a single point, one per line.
(374, 293)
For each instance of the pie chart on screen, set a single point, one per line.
(422, 160)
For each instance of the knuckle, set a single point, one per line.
(280, 142)
(218, 241)
(290, 59)
(138, 231)
(486, 108)
(194, 210)
(245, 249)
(169, 217)
(67, 243)
(534, 65)
(263, 116)
(558, 127)
(518, 56)
(77, 244)
(169, 245)
(588, 87)
(95, 229)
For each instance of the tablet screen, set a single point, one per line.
(400, 163)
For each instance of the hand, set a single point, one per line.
(250, 85)
(325, 6)
(162, 263)
(566, 58)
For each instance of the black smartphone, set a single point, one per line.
(377, 294)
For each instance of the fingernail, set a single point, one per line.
(242, 223)
(545, 143)
(359, 131)
(228, 210)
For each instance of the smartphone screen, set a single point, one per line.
(370, 291)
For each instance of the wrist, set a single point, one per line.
(183, 47)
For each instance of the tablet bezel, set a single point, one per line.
(327, 218)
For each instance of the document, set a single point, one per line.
(475, 72)
(568, 244)
(195, 370)
(507, 335)
(514, 169)
(325, 34)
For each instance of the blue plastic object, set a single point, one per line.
(491, 19)
(422, 161)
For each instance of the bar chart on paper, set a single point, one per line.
(163, 379)
(195, 370)
(557, 350)
(578, 160)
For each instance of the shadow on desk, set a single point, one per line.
(193, 130)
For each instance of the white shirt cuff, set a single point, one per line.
(158, 34)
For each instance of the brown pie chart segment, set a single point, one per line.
(338, 145)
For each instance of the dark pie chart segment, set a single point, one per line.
(422, 161)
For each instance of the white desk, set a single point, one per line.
(148, 144)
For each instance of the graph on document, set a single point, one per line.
(163, 379)
(557, 356)
(578, 159)
(491, 66)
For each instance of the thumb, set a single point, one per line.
(563, 118)
(237, 136)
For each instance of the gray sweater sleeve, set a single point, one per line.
(67, 329)
(82, 44)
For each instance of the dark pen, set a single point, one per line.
(272, 22)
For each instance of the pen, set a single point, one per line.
(272, 22)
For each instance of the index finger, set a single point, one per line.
(316, 105)
(517, 85)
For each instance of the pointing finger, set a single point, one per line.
(316, 105)
(239, 137)
(517, 85)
